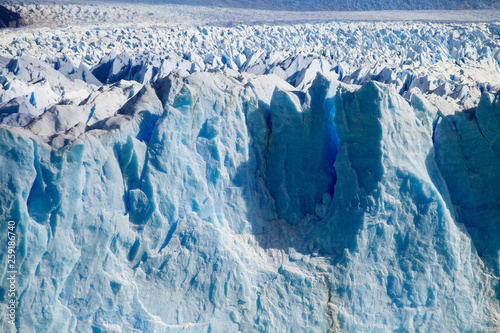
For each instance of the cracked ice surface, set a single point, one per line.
(315, 177)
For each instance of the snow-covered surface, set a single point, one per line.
(284, 178)
(64, 13)
(293, 5)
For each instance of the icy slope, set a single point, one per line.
(328, 177)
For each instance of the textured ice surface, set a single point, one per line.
(274, 179)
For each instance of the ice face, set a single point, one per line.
(388, 217)
(467, 154)
(245, 188)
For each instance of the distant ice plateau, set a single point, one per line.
(328, 177)
(40, 13)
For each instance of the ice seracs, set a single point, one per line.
(447, 61)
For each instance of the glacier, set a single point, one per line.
(338, 177)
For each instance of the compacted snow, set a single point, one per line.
(314, 177)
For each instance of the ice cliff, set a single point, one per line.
(348, 182)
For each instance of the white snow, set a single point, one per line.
(113, 13)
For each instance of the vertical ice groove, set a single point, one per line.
(302, 143)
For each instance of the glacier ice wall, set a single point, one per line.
(468, 157)
(168, 220)
(403, 230)
(154, 195)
